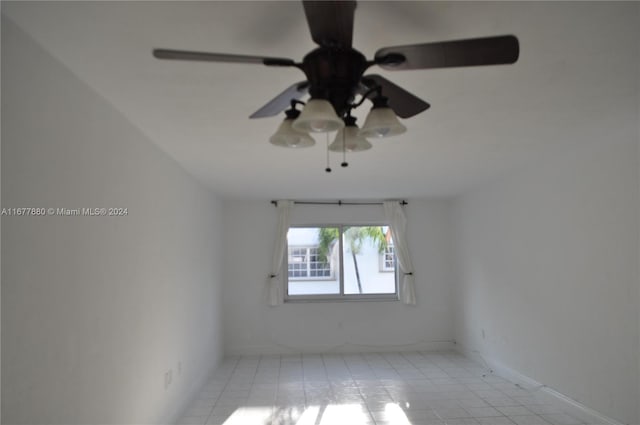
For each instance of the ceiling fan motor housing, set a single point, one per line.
(334, 74)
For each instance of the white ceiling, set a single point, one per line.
(485, 121)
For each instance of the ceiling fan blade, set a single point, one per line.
(471, 52)
(330, 21)
(219, 57)
(282, 101)
(403, 103)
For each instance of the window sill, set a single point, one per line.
(342, 299)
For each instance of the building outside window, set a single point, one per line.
(388, 259)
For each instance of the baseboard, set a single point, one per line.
(547, 394)
(278, 349)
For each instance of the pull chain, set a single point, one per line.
(344, 150)
(328, 169)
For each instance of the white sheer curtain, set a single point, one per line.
(279, 251)
(398, 223)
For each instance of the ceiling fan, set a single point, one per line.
(335, 76)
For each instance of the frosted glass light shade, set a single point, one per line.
(353, 141)
(318, 116)
(288, 137)
(382, 122)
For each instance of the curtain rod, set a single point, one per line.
(403, 202)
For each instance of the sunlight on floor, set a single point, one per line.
(343, 413)
(352, 414)
(309, 417)
(395, 414)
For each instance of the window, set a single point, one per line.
(388, 259)
(340, 263)
(307, 263)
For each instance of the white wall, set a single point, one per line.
(96, 309)
(548, 264)
(251, 326)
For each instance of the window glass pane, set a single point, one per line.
(313, 261)
(365, 260)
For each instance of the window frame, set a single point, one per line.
(340, 297)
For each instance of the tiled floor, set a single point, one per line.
(416, 388)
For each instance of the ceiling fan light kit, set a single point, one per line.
(318, 116)
(335, 76)
(288, 137)
(349, 139)
(382, 122)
